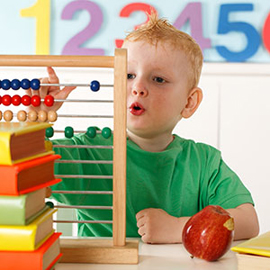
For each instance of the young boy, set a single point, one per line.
(169, 178)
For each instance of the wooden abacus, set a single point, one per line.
(118, 249)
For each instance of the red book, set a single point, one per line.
(28, 176)
(43, 258)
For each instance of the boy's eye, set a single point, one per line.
(130, 76)
(159, 80)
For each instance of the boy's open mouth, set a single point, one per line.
(136, 108)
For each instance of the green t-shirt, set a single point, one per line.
(181, 180)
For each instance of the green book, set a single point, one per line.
(23, 209)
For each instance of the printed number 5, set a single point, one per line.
(224, 26)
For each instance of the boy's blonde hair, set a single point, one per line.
(160, 30)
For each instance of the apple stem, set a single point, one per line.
(191, 256)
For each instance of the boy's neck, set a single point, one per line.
(153, 144)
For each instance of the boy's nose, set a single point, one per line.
(140, 92)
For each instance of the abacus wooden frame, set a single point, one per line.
(118, 249)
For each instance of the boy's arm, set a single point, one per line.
(245, 220)
(157, 226)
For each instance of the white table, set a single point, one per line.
(167, 257)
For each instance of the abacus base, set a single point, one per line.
(98, 251)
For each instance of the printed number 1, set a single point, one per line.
(41, 11)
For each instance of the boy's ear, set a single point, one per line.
(193, 101)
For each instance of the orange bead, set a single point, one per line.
(0, 115)
(8, 115)
(52, 116)
(32, 116)
(21, 116)
(42, 116)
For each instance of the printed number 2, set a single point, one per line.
(73, 46)
(224, 26)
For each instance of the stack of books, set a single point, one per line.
(27, 238)
(254, 253)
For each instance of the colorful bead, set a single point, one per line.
(6, 100)
(106, 133)
(48, 146)
(69, 132)
(35, 84)
(15, 84)
(49, 100)
(52, 116)
(5, 84)
(91, 132)
(0, 115)
(26, 100)
(50, 204)
(21, 116)
(95, 86)
(42, 116)
(16, 100)
(0, 100)
(35, 100)
(49, 132)
(25, 84)
(32, 116)
(8, 115)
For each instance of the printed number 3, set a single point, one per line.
(224, 26)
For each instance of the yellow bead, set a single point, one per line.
(52, 116)
(32, 116)
(48, 146)
(42, 116)
(21, 116)
(8, 115)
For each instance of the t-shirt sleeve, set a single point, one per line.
(224, 186)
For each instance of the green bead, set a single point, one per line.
(91, 132)
(106, 133)
(50, 204)
(69, 132)
(49, 132)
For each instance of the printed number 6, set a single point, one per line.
(224, 26)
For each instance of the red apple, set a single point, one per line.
(209, 233)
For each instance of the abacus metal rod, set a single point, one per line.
(84, 176)
(84, 207)
(84, 221)
(82, 192)
(83, 146)
(74, 84)
(86, 161)
(57, 61)
(84, 116)
(83, 100)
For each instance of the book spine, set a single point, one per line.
(5, 155)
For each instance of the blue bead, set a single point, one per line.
(95, 86)
(15, 84)
(5, 84)
(25, 84)
(35, 84)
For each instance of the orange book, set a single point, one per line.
(43, 258)
(28, 176)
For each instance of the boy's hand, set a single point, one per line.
(156, 226)
(54, 91)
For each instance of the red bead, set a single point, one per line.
(6, 100)
(16, 100)
(49, 100)
(35, 100)
(26, 100)
(0, 99)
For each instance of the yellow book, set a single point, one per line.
(254, 253)
(259, 245)
(29, 237)
(22, 141)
